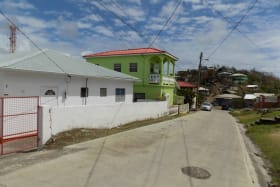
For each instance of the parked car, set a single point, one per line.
(206, 106)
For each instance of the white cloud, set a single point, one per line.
(34, 22)
(92, 17)
(212, 34)
(154, 26)
(202, 19)
(198, 7)
(59, 13)
(183, 20)
(154, 1)
(138, 2)
(135, 13)
(104, 31)
(83, 25)
(169, 7)
(15, 5)
(230, 10)
(67, 29)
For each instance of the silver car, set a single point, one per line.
(206, 106)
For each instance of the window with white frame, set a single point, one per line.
(48, 91)
(120, 94)
(132, 67)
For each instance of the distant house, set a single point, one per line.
(189, 86)
(239, 78)
(62, 80)
(154, 67)
(266, 100)
(252, 87)
(225, 75)
(203, 91)
(250, 100)
(229, 100)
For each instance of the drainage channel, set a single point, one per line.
(196, 172)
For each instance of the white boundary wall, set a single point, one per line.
(61, 118)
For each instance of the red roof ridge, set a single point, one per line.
(132, 51)
(185, 84)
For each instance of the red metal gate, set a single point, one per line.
(18, 124)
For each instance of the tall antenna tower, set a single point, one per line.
(12, 38)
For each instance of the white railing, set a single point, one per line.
(168, 79)
(154, 78)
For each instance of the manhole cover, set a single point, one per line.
(196, 172)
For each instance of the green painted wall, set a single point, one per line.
(151, 90)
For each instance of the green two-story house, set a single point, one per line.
(154, 67)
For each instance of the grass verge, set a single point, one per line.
(266, 137)
(74, 136)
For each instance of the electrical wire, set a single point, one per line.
(166, 22)
(32, 42)
(122, 20)
(234, 28)
(229, 22)
(120, 38)
(118, 6)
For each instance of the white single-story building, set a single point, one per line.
(60, 79)
(72, 93)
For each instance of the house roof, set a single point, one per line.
(50, 61)
(136, 51)
(250, 97)
(227, 96)
(252, 86)
(264, 94)
(238, 75)
(202, 89)
(184, 84)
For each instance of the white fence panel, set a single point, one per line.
(62, 118)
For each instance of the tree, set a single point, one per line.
(188, 94)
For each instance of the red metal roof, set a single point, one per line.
(129, 52)
(183, 84)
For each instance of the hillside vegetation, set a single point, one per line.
(267, 82)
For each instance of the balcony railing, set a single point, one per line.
(168, 80)
(154, 78)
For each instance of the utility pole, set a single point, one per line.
(12, 38)
(199, 77)
(199, 68)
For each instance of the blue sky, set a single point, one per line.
(186, 28)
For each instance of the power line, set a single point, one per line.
(234, 28)
(166, 22)
(33, 43)
(120, 38)
(118, 6)
(228, 21)
(121, 19)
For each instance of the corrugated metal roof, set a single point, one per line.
(136, 51)
(50, 61)
(184, 84)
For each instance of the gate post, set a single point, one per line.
(2, 126)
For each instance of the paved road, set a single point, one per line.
(149, 157)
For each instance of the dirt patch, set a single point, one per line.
(275, 136)
(74, 136)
